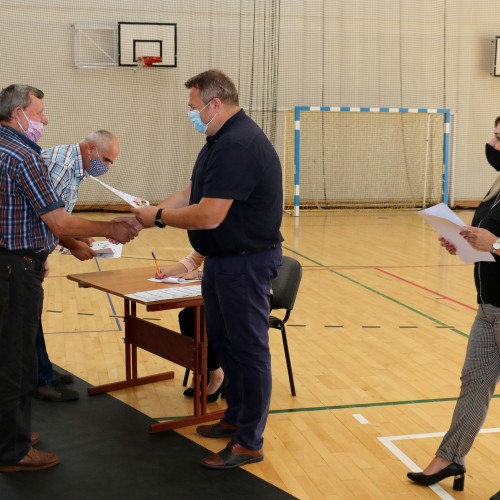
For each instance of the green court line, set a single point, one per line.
(368, 405)
(345, 407)
(406, 306)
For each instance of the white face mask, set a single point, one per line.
(34, 130)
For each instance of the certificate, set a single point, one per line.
(449, 226)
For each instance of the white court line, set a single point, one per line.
(388, 442)
(362, 420)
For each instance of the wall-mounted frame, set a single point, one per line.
(147, 39)
(496, 60)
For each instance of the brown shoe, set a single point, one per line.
(233, 455)
(33, 460)
(35, 438)
(219, 430)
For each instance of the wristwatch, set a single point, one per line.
(160, 223)
(496, 246)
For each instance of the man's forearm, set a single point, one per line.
(177, 200)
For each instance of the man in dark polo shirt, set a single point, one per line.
(232, 209)
(32, 217)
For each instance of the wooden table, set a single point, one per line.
(166, 343)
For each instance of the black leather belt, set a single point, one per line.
(40, 256)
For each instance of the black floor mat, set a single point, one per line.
(107, 453)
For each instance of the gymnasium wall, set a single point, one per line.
(397, 53)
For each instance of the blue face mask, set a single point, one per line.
(194, 116)
(97, 167)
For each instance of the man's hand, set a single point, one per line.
(135, 224)
(82, 251)
(478, 238)
(124, 229)
(145, 215)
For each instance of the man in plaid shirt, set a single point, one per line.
(32, 218)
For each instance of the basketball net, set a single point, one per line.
(148, 61)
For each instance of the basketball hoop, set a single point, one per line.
(148, 61)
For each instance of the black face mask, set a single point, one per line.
(493, 157)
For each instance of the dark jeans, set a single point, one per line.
(236, 294)
(45, 371)
(186, 325)
(21, 298)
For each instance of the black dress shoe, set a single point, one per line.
(233, 455)
(430, 479)
(63, 378)
(55, 392)
(219, 430)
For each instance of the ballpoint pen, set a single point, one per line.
(157, 266)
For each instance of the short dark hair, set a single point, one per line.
(497, 120)
(16, 95)
(214, 83)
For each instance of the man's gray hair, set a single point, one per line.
(16, 95)
(102, 138)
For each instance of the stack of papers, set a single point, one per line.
(449, 226)
(104, 249)
(107, 250)
(166, 293)
(173, 279)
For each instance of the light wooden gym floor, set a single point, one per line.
(377, 340)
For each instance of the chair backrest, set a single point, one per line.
(286, 285)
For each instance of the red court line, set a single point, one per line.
(424, 288)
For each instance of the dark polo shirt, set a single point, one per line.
(239, 163)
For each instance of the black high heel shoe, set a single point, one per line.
(189, 392)
(211, 398)
(430, 479)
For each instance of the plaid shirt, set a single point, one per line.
(66, 171)
(26, 194)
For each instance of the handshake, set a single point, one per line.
(125, 229)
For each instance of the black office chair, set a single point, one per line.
(284, 291)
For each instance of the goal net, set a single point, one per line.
(365, 157)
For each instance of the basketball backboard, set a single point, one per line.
(147, 39)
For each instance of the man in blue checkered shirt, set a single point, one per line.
(69, 165)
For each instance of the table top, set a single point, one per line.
(122, 282)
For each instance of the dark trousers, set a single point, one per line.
(186, 325)
(21, 298)
(236, 294)
(45, 371)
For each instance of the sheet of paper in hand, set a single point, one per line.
(133, 201)
(449, 225)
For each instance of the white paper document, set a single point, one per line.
(107, 250)
(133, 201)
(173, 279)
(104, 249)
(166, 293)
(449, 225)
